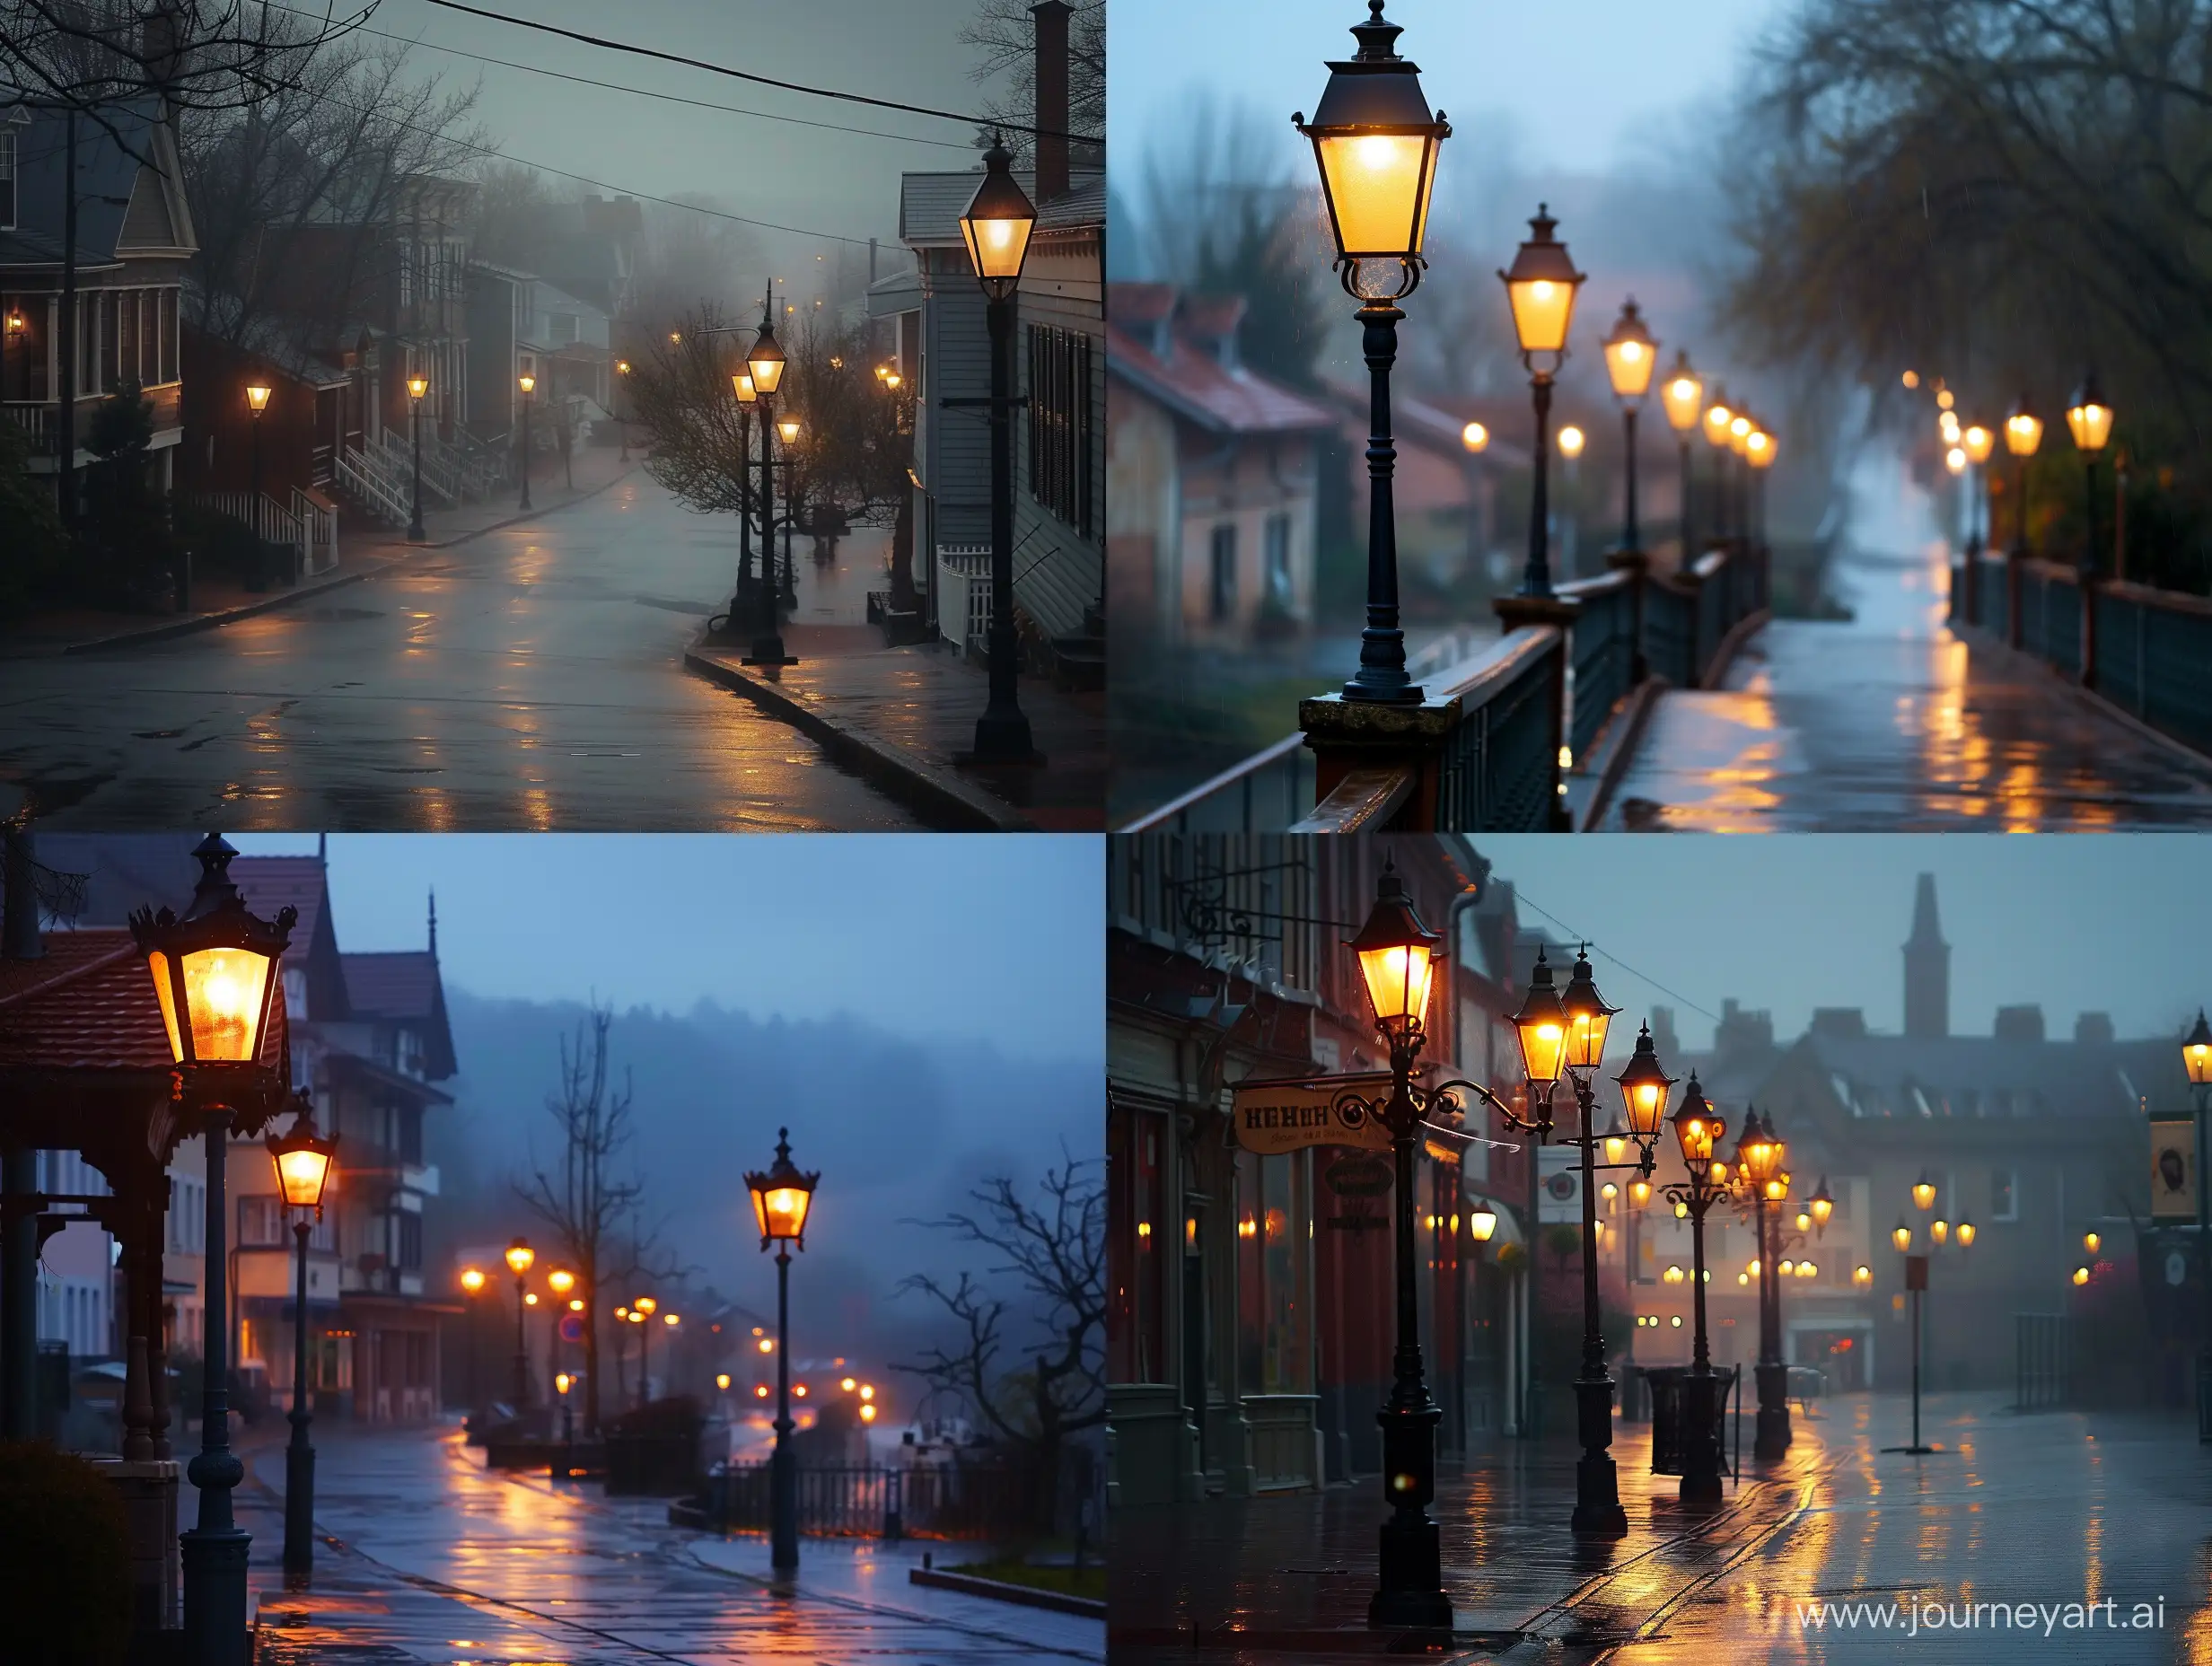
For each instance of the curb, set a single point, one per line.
(1622, 735)
(215, 621)
(1000, 1590)
(929, 788)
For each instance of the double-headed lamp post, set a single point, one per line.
(1682, 395)
(1631, 356)
(782, 1199)
(1697, 1131)
(520, 1259)
(2089, 419)
(2197, 1060)
(1540, 287)
(2024, 433)
(1759, 1152)
(1375, 141)
(528, 384)
(764, 361)
(302, 1164)
(215, 974)
(417, 386)
(996, 227)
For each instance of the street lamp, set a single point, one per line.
(1376, 143)
(1759, 452)
(1759, 1152)
(1916, 1286)
(1541, 289)
(472, 1287)
(529, 385)
(1977, 443)
(1924, 1193)
(1631, 356)
(2024, 433)
(302, 1169)
(748, 396)
(1821, 1205)
(764, 362)
(2196, 1061)
(417, 386)
(781, 1200)
(1696, 1131)
(256, 401)
(1682, 396)
(2089, 419)
(996, 228)
(1716, 418)
(215, 974)
(520, 1258)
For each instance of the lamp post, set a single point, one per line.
(1759, 452)
(764, 362)
(996, 227)
(1715, 421)
(788, 431)
(1566, 1032)
(642, 1310)
(529, 385)
(2024, 433)
(256, 401)
(622, 422)
(1631, 356)
(473, 1282)
(215, 974)
(1916, 1287)
(1683, 397)
(1541, 289)
(2197, 1059)
(781, 1200)
(302, 1169)
(1977, 443)
(2089, 419)
(518, 1257)
(1375, 144)
(748, 396)
(417, 386)
(560, 1281)
(1697, 1130)
(1758, 1158)
(1740, 428)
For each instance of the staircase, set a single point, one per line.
(365, 476)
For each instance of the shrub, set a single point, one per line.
(65, 1560)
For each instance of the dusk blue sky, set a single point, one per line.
(2113, 922)
(997, 940)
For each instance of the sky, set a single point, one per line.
(997, 940)
(1583, 83)
(2112, 923)
(802, 177)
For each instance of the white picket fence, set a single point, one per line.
(319, 522)
(964, 595)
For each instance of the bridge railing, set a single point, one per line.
(1485, 750)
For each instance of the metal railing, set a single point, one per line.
(1481, 753)
(2043, 1360)
(951, 1500)
(269, 521)
(360, 477)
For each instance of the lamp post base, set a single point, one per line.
(1774, 1435)
(1412, 1566)
(1598, 1514)
(1701, 1482)
(299, 1505)
(215, 1594)
(1002, 737)
(768, 650)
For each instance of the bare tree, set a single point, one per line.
(593, 1217)
(1054, 1251)
(1005, 36)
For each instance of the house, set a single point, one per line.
(1212, 471)
(134, 241)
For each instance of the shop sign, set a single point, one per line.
(1277, 1117)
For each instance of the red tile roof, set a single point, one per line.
(1189, 379)
(399, 985)
(269, 883)
(89, 1005)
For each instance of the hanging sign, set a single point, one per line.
(1277, 1117)
(2173, 1169)
(1361, 1175)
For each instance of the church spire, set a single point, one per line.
(1927, 967)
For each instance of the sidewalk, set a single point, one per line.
(1269, 1578)
(901, 715)
(366, 549)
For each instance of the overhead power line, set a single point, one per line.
(643, 92)
(965, 117)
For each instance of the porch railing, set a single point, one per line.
(361, 477)
(1486, 748)
(269, 521)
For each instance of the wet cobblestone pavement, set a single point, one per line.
(2049, 1509)
(424, 1557)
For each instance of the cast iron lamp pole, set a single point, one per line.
(641, 1315)
(520, 1257)
(781, 1200)
(2024, 433)
(622, 422)
(1541, 287)
(764, 361)
(788, 431)
(1715, 421)
(256, 401)
(529, 385)
(2089, 419)
(1698, 1130)
(996, 228)
(302, 1169)
(1684, 396)
(417, 386)
(741, 383)
(1759, 452)
(1758, 1158)
(2197, 1059)
(472, 1287)
(215, 973)
(1376, 143)
(1630, 355)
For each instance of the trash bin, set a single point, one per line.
(1669, 1386)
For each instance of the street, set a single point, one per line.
(529, 679)
(2049, 1510)
(423, 1556)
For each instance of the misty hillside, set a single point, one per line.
(899, 1128)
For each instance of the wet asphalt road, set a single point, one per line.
(425, 1558)
(529, 679)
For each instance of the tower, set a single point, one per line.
(1927, 967)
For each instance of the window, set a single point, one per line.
(2004, 1195)
(411, 1242)
(1271, 1305)
(1221, 603)
(1060, 424)
(7, 181)
(563, 329)
(1278, 561)
(261, 1222)
(1136, 1225)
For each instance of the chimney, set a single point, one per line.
(2094, 1030)
(1052, 117)
(2019, 1023)
(19, 906)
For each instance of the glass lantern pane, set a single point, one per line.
(1376, 184)
(158, 964)
(996, 248)
(222, 992)
(1629, 365)
(1542, 308)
